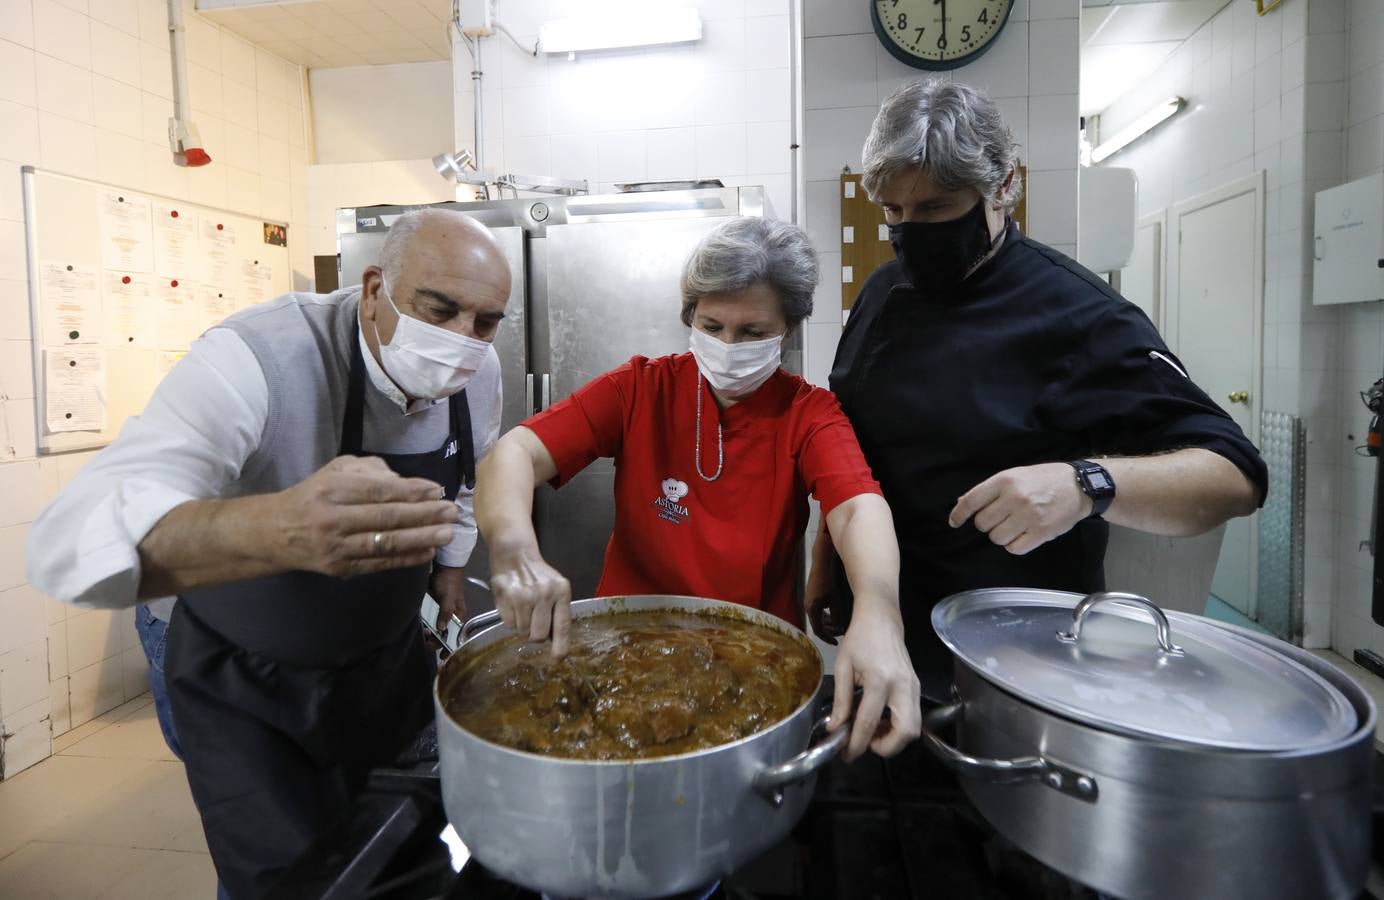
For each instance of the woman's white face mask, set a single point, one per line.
(425, 361)
(735, 370)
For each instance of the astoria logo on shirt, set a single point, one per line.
(667, 505)
(451, 450)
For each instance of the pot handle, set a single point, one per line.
(1001, 771)
(1160, 621)
(771, 780)
(476, 624)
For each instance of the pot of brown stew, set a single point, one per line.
(679, 738)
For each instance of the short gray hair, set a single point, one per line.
(400, 235)
(952, 131)
(746, 251)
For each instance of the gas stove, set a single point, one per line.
(874, 830)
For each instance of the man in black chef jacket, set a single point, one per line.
(1008, 400)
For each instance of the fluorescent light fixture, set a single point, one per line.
(1136, 129)
(623, 25)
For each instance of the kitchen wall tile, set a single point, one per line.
(156, 111)
(1326, 16)
(17, 23)
(118, 107)
(273, 116)
(16, 366)
(621, 157)
(63, 88)
(156, 70)
(1053, 9)
(241, 148)
(1326, 105)
(818, 351)
(17, 74)
(24, 675)
(767, 148)
(720, 150)
(719, 98)
(1366, 43)
(671, 153)
(833, 139)
(1325, 156)
(574, 155)
(30, 743)
(121, 160)
(1004, 70)
(832, 17)
(115, 54)
(95, 690)
(276, 198)
(19, 415)
(826, 299)
(528, 154)
(1054, 54)
(92, 636)
(271, 75)
(237, 60)
(22, 618)
(1268, 38)
(19, 138)
(823, 214)
(241, 104)
(1267, 125)
(840, 72)
(1326, 57)
(203, 41)
(205, 93)
(765, 47)
(525, 112)
(58, 665)
(673, 104)
(1052, 206)
(273, 158)
(1366, 94)
(1293, 69)
(61, 32)
(723, 46)
(60, 706)
(134, 672)
(65, 145)
(1052, 142)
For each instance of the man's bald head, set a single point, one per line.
(442, 267)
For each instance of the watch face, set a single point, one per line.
(938, 34)
(1098, 481)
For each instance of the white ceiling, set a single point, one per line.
(331, 33)
(1122, 42)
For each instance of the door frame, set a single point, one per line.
(1158, 220)
(1172, 316)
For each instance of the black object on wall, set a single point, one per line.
(324, 274)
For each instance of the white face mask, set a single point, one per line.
(425, 361)
(735, 370)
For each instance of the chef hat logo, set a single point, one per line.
(674, 490)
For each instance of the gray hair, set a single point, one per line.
(951, 130)
(746, 251)
(400, 235)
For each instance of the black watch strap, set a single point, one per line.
(1096, 483)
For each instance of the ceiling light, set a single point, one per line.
(622, 26)
(451, 166)
(1136, 129)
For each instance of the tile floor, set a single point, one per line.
(108, 816)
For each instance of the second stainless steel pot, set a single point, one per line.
(1141, 818)
(638, 828)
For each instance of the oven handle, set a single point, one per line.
(771, 780)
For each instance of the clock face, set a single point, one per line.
(938, 34)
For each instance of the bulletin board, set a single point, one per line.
(865, 238)
(121, 282)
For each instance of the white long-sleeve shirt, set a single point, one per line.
(193, 438)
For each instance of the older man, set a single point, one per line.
(1009, 402)
(298, 481)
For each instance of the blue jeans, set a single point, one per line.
(153, 636)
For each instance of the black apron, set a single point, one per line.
(286, 690)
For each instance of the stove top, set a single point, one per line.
(874, 830)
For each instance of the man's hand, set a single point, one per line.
(532, 596)
(355, 516)
(873, 657)
(448, 588)
(1023, 508)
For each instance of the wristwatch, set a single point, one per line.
(1096, 483)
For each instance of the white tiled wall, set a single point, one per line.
(717, 109)
(1297, 93)
(85, 87)
(1359, 346)
(341, 185)
(1031, 72)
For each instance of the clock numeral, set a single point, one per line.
(903, 21)
(942, 41)
(966, 33)
(984, 17)
(920, 35)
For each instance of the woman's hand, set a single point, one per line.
(532, 596)
(872, 656)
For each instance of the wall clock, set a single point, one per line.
(938, 34)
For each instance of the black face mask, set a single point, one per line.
(937, 255)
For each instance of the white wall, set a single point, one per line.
(90, 93)
(377, 113)
(1032, 73)
(719, 108)
(1360, 348)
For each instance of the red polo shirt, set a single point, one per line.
(734, 538)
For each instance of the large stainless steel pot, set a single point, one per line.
(638, 828)
(1139, 816)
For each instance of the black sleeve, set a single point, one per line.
(1125, 394)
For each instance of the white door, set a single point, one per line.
(1141, 282)
(1214, 323)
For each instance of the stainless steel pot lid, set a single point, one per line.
(1117, 662)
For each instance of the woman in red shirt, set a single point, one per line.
(716, 452)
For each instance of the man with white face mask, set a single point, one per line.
(297, 482)
(716, 452)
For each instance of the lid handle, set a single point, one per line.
(1160, 621)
